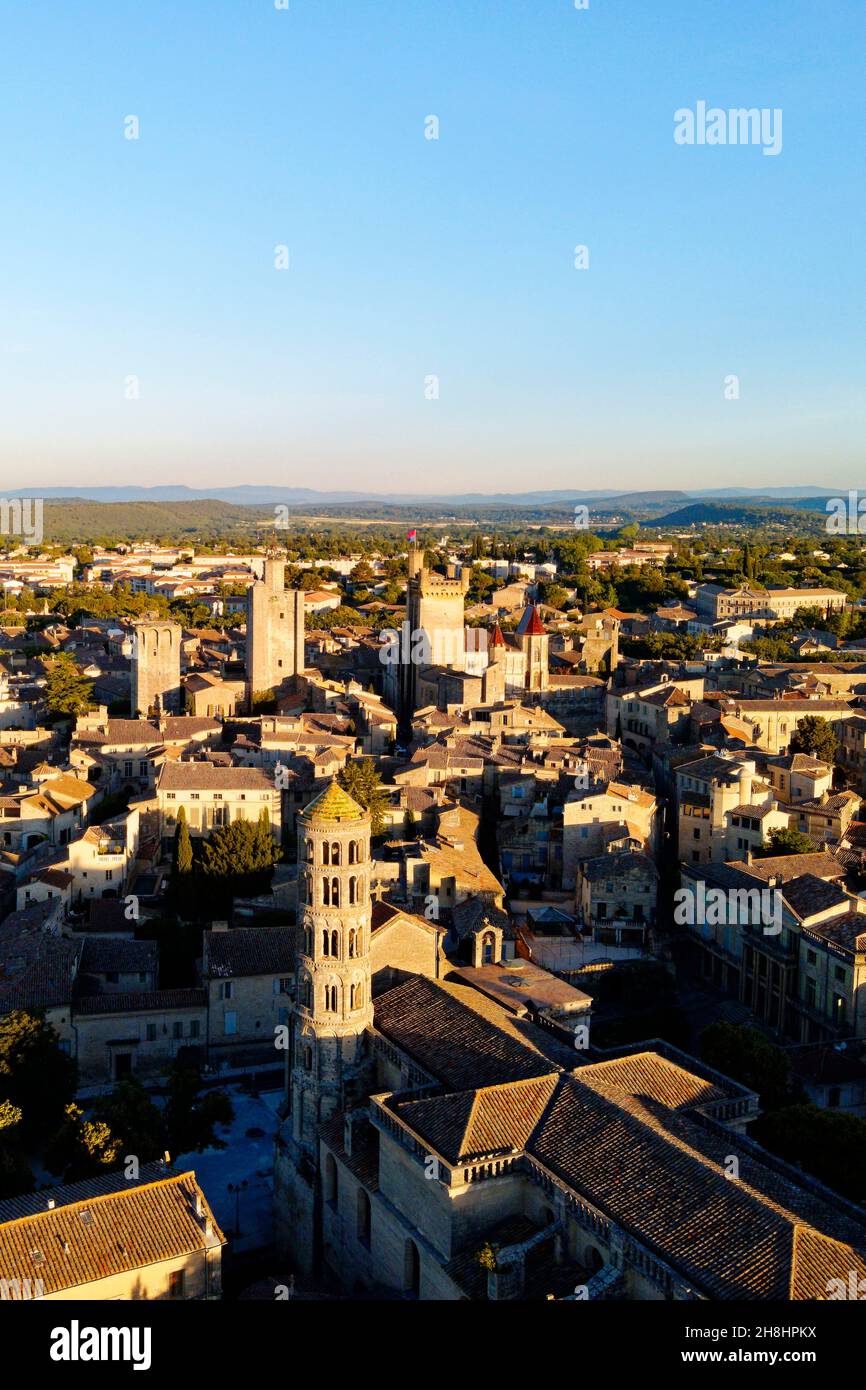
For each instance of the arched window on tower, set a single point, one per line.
(326, 942)
(306, 992)
(326, 892)
(326, 852)
(308, 1059)
(335, 945)
(335, 852)
(356, 997)
(353, 888)
(351, 943)
(354, 852)
(335, 892)
(331, 999)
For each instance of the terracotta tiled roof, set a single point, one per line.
(206, 777)
(530, 624)
(651, 1074)
(663, 1175)
(460, 1037)
(144, 1001)
(475, 1124)
(107, 1234)
(249, 951)
(788, 866)
(103, 955)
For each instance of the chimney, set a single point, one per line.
(50, 1204)
(199, 1206)
(748, 856)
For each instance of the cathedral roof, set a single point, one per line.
(530, 624)
(333, 804)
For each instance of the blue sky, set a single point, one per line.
(411, 258)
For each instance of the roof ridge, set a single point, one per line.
(99, 1196)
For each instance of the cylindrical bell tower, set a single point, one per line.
(333, 1004)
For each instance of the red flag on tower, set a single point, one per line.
(412, 536)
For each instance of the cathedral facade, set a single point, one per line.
(435, 1145)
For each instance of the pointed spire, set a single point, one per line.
(530, 624)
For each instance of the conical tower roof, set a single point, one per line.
(333, 804)
(530, 624)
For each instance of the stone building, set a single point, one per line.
(156, 685)
(616, 897)
(485, 1166)
(214, 796)
(779, 605)
(275, 631)
(249, 976)
(589, 816)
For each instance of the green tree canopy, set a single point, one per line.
(786, 842)
(360, 778)
(36, 1075)
(67, 691)
(746, 1056)
(817, 736)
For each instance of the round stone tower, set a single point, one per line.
(333, 1006)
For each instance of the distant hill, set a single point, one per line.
(720, 514)
(76, 521)
(256, 494)
(249, 494)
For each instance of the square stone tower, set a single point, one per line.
(156, 685)
(275, 630)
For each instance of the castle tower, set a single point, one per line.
(155, 668)
(435, 606)
(333, 1006)
(275, 630)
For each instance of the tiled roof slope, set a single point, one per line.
(663, 1175)
(475, 1124)
(249, 951)
(463, 1039)
(107, 1234)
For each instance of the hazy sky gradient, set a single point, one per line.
(412, 257)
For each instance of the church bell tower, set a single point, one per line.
(328, 1065)
(334, 1007)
